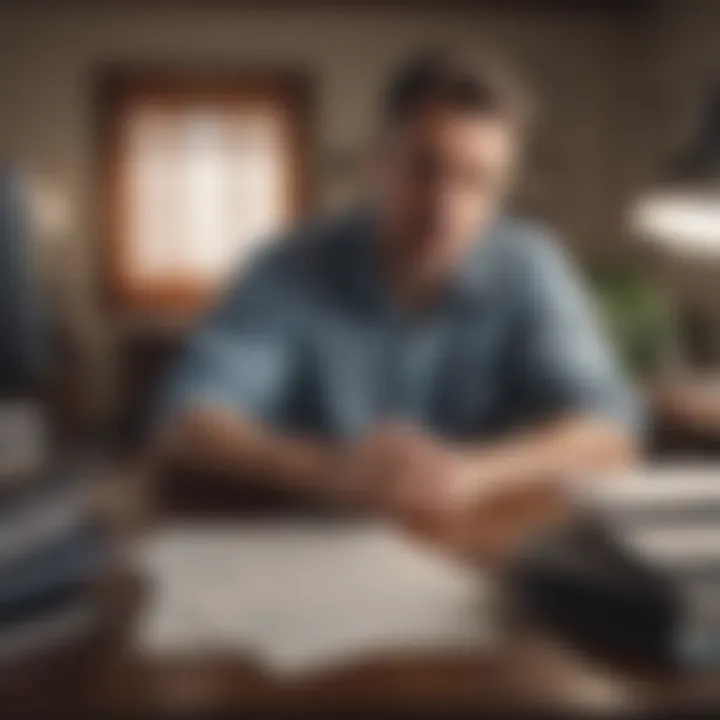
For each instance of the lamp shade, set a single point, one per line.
(682, 213)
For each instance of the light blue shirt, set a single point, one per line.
(309, 339)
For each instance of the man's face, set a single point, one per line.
(442, 177)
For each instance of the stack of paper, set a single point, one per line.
(299, 595)
(665, 514)
(668, 517)
(50, 553)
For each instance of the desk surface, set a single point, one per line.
(528, 669)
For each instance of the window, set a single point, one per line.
(199, 171)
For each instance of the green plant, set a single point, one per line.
(639, 316)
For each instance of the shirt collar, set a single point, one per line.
(475, 278)
(471, 282)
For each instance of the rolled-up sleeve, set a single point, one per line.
(242, 357)
(566, 362)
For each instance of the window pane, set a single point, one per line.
(204, 184)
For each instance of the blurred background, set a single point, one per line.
(136, 126)
(147, 148)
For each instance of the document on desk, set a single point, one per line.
(300, 595)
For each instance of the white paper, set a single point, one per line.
(669, 484)
(301, 595)
(666, 515)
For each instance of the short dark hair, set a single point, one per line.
(451, 79)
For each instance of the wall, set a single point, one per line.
(49, 60)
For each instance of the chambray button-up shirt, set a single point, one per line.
(309, 339)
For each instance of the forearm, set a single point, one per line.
(572, 446)
(222, 444)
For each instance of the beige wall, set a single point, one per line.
(581, 65)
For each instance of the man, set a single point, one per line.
(419, 354)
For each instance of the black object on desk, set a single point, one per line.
(581, 583)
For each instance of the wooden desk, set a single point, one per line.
(528, 670)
